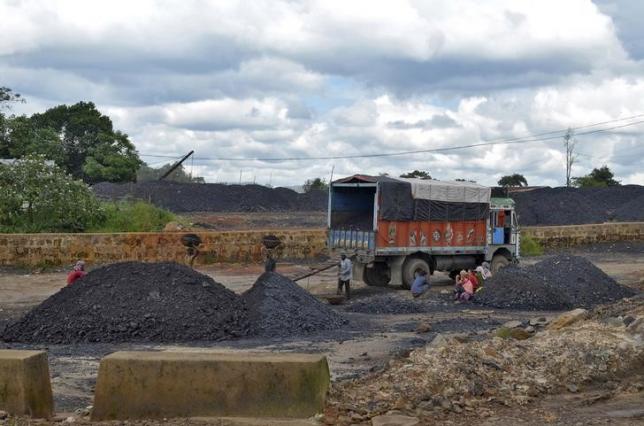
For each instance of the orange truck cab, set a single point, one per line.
(395, 227)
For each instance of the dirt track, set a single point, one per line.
(366, 344)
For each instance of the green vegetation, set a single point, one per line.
(147, 173)
(131, 216)
(39, 197)
(420, 174)
(530, 246)
(513, 180)
(598, 178)
(317, 183)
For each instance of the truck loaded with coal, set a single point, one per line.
(394, 227)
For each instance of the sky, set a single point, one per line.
(243, 82)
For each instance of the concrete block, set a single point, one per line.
(25, 388)
(136, 385)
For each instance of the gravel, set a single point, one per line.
(212, 197)
(573, 206)
(556, 283)
(135, 302)
(387, 304)
(280, 307)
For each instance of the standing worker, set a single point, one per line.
(76, 273)
(345, 273)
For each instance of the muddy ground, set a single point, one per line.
(366, 344)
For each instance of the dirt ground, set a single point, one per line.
(263, 220)
(366, 344)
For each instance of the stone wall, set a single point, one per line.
(239, 246)
(574, 235)
(217, 247)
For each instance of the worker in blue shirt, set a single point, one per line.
(420, 284)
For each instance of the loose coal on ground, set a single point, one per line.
(572, 206)
(557, 283)
(401, 303)
(212, 197)
(135, 302)
(279, 307)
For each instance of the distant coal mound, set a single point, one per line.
(213, 197)
(577, 206)
(387, 304)
(135, 302)
(556, 283)
(280, 307)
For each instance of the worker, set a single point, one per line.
(464, 289)
(345, 273)
(420, 284)
(484, 270)
(474, 279)
(76, 273)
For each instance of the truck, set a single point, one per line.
(393, 228)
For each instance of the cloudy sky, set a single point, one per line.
(244, 81)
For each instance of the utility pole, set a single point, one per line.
(569, 145)
(240, 174)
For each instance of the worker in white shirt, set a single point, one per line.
(345, 273)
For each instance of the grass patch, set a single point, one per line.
(131, 216)
(530, 246)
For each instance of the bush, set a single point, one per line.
(131, 216)
(40, 197)
(530, 246)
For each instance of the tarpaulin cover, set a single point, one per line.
(396, 202)
(454, 192)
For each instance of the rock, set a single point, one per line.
(444, 291)
(572, 388)
(636, 327)
(69, 420)
(173, 227)
(3, 415)
(512, 324)
(538, 322)
(441, 340)
(635, 413)
(514, 333)
(530, 329)
(568, 318)
(423, 327)
(395, 420)
(615, 322)
(628, 320)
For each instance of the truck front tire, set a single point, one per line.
(378, 275)
(410, 268)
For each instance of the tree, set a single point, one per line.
(147, 173)
(37, 197)
(416, 174)
(20, 138)
(465, 180)
(597, 178)
(7, 95)
(93, 150)
(315, 184)
(513, 180)
(569, 145)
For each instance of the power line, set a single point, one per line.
(516, 140)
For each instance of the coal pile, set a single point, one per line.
(557, 283)
(388, 305)
(576, 206)
(135, 302)
(212, 197)
(279, 307)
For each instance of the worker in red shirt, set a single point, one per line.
(76, 273)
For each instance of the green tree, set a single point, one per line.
(21, 138)
(513, 180)
(313, 184)
(420, 174)
(147, 173)
(7, 96)
(93, 150)
(37, 197)
(600, 177)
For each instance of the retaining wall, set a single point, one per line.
(239, 246)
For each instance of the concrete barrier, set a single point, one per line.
(137, 385)
(25, 388)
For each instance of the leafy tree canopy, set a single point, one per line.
(597, 178)
(38, 197)
(147, 173)
(313, 184)
(513, 180)
(421, 174)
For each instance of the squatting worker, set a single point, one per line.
(345, 273)
(76, 273)
(420, 284)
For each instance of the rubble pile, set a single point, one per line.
(280, 307)
(556, 283)
(133, 301)
(455, 375)
(213, 197)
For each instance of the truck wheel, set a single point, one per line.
(377, 276)
(410, 268)
(453, 274)
(499, 261)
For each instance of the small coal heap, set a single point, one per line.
(280, 307)
(556, 283)
(133, 301)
